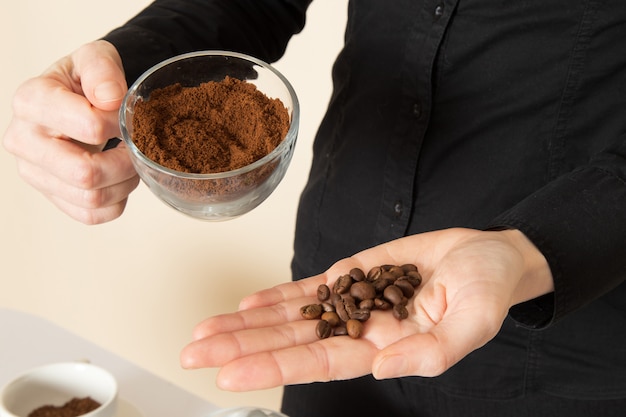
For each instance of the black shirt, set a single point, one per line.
(478, 113)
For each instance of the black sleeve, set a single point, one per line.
(261, 28)
(578, 222)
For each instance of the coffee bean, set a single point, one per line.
(382, 304)
(354, 328)
(367, 304)
(393, 294)
(407, 288)
(350, 307)
(311, 311)
(380, 284)
(340, 331)
(323, 292)
(347, 298)
(362, 290)
(323, 329)
(340, 309)
(396, 271)
(400, 312)
(357, 274)
(342, 285)
(360, 314)
(388, 275)
(331, 317)
(374, 273)
(345, 308)
(414, 278)
(326, 306)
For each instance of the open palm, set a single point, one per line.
(470, 279)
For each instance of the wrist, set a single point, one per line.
(536, 279)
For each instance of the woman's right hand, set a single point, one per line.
(62, 119)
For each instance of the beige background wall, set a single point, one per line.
(138, 285)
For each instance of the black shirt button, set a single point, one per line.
(439, 10)
(417, 110)
(398, 208)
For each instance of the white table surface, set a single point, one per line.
(27, 341)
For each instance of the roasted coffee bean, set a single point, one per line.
(323, 329)
(380, 284)
(367, 304)
(340, 309)
(360, 314)
(331, 317)
(393, 294)
(340, 331)
(407, 288)
(374, 273)
(355, 328)
(357, 274)
(400, 312)
(323, 292)
(311, 311)
(347, 298)
(362, 290)
(326, 306)
(350, 307)
(414, 278)
(342, 285)
(382, 304)
(388, 275)
(355, 295)
(396, 271)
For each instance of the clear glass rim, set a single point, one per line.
(283, 147)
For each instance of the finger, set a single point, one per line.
(66, 160)
(79, 197)
(89, 206)
(47, 102)
(101, 75)
(271, 315)
(335, 358)
(283, 292)
(90, 216)
(221, 348)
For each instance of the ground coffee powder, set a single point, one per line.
(73, 408)
(214, 127)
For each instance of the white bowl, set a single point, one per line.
(56, 384)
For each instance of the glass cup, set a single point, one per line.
(224, 195)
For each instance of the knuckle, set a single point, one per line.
(85, 175)
(91, 129)
(436, 365)
(92, 199)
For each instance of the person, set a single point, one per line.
(484, 141)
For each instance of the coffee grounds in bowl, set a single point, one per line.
(214, 127)
(73, 408)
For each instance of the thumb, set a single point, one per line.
(434, 352)
(99, 68)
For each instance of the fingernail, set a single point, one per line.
(108, 91)
(392, 366)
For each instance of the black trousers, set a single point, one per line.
(365, 397)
